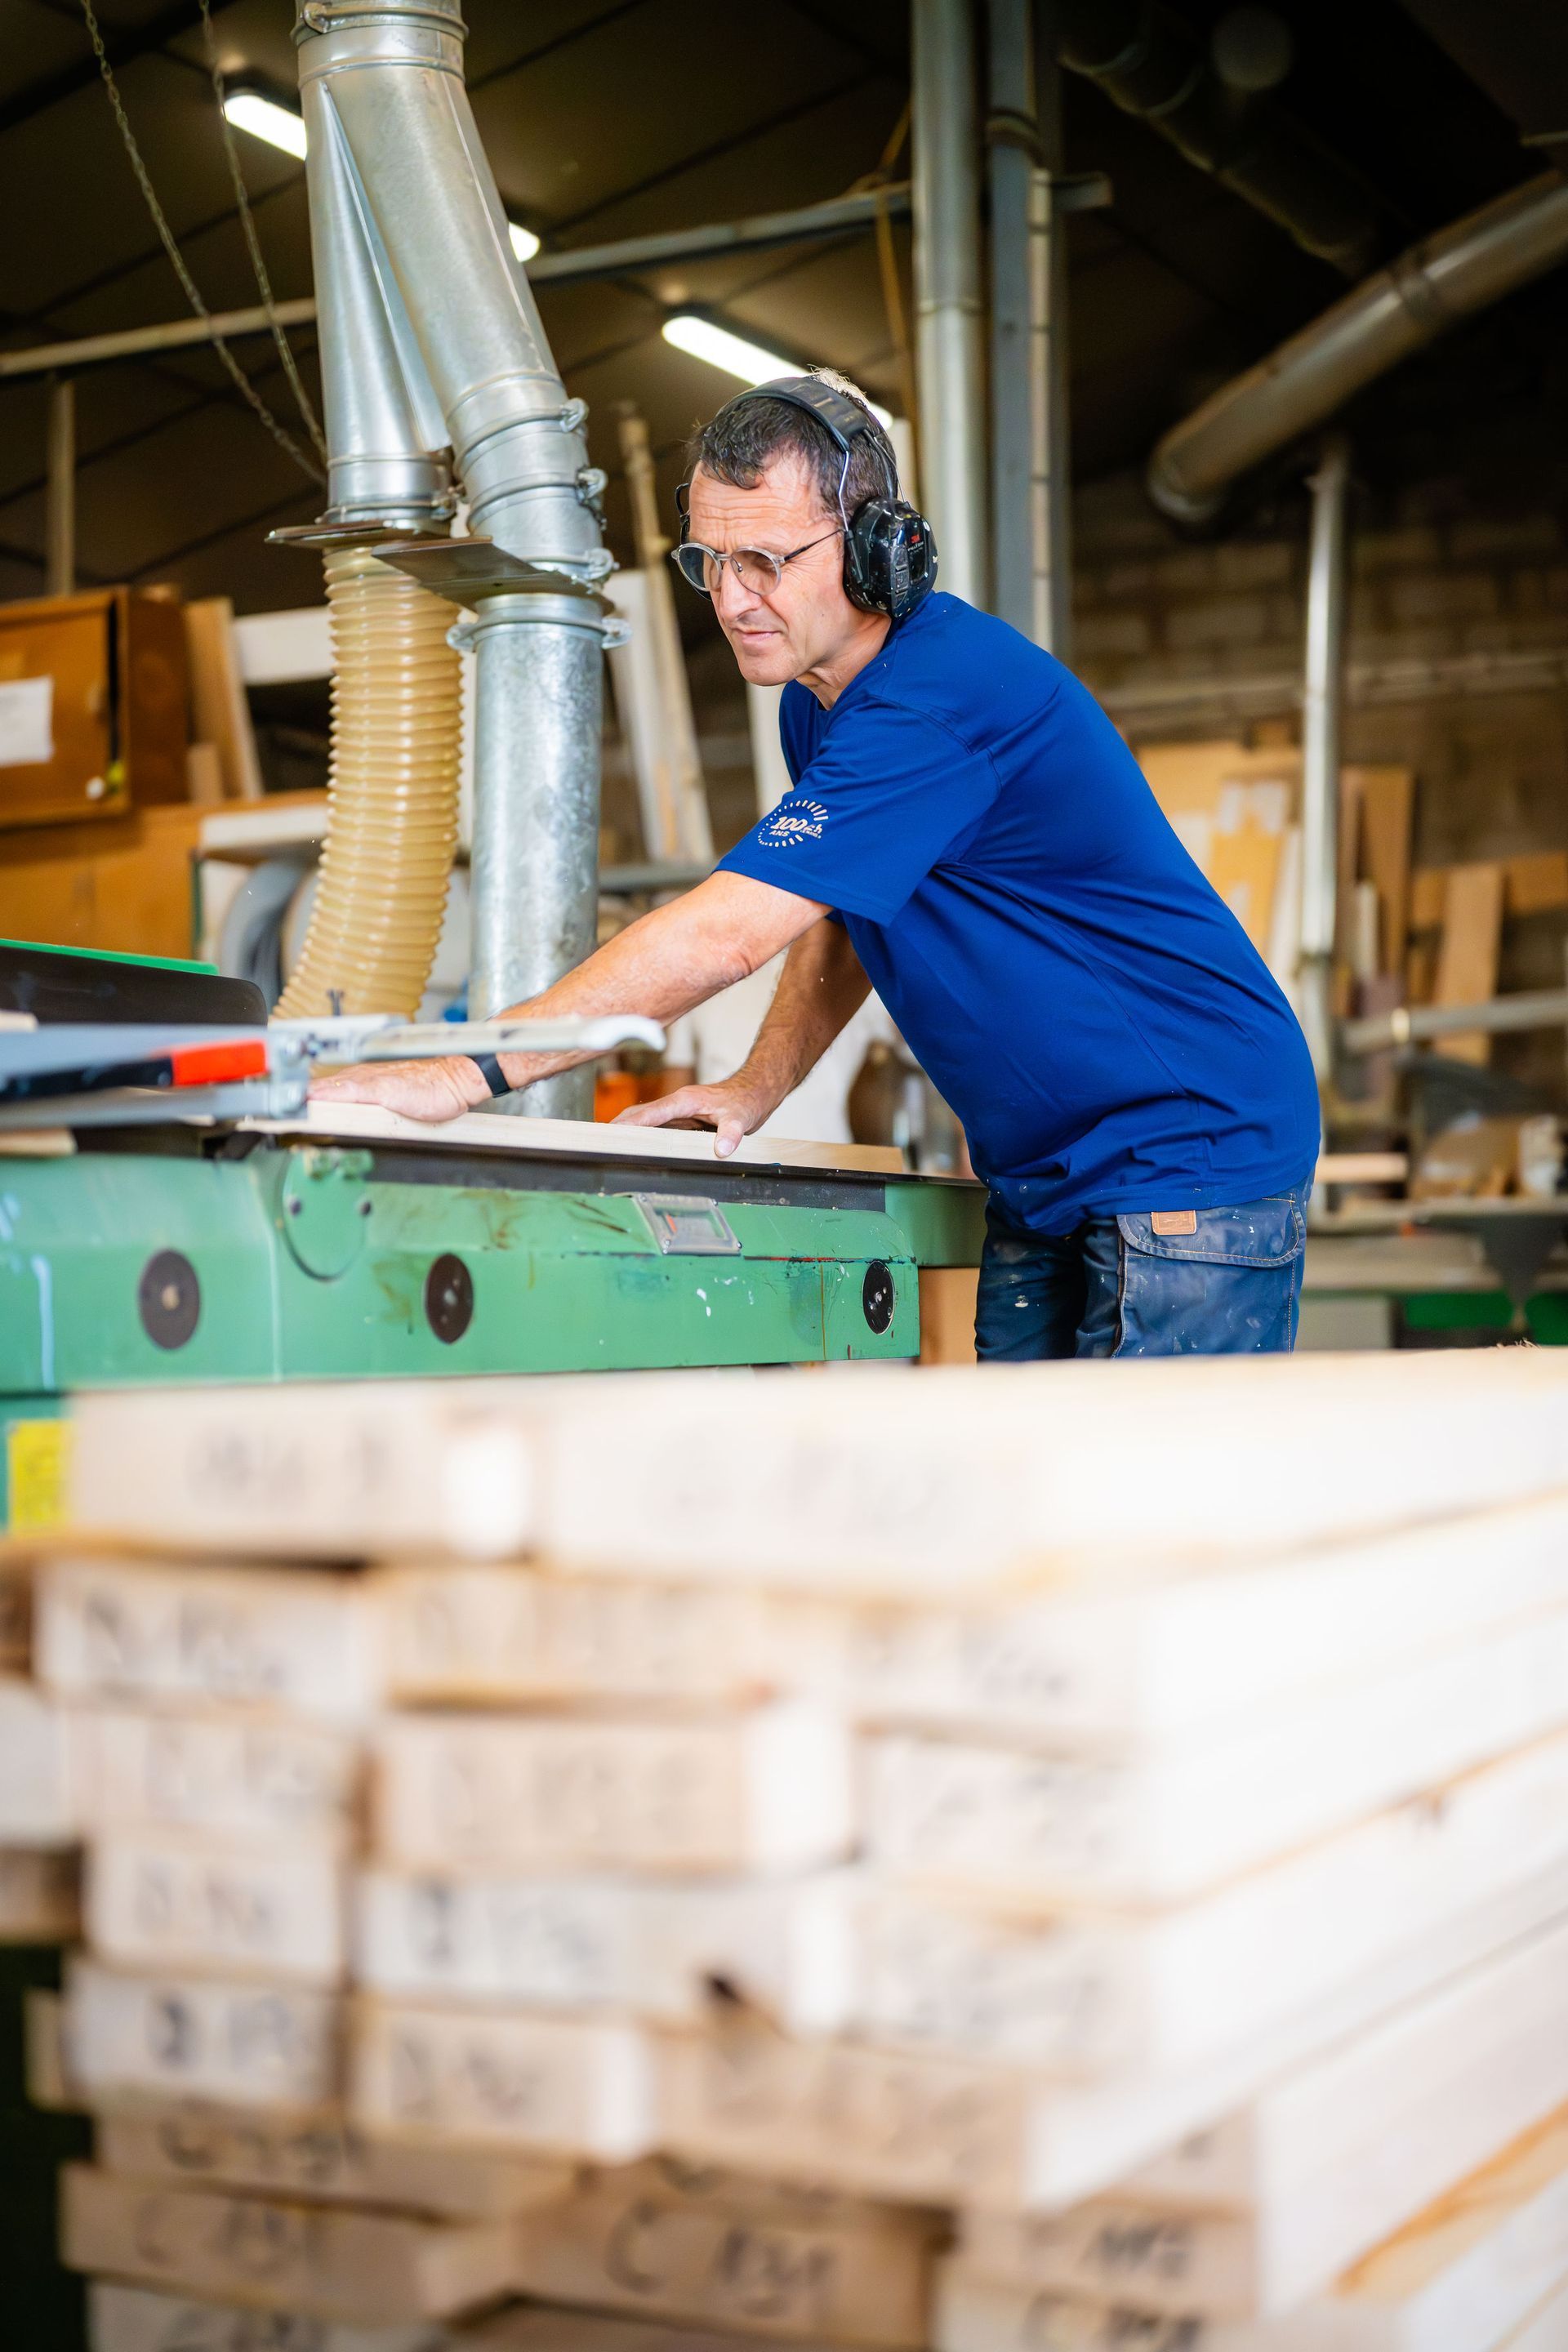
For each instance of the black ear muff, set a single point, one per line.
(890, 557)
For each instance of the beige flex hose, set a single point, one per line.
(393, 795)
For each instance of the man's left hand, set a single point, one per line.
(434, 1091)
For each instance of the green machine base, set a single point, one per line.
(178, 1254)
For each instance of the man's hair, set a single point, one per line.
(740, 441)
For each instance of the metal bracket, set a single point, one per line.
(686, 1226)
(465, 571)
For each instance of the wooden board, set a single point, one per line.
(119, 883)
(1536, 884)
(219, 708)
(943, 2131)
(39, 1896)
(1100, 1994)
(15, 1615)
(1158, 1827)
(140, 2319)
(1468, 959)
(168, 2036)
(533, 2327)
(765, 1789)
(942, 1486)
(1114, 2249)
(476, 2079)
(328, 1470)
(947, 1314)
(582, 1139)
(251, 1637)
(505, 1634)
(373, 2269)
(1186, 1656)
(612, 1944)
(36, 1802)
(321, 2162)
(1384, 799)
(262, 1781)
(157, 1901)
(637, 2249)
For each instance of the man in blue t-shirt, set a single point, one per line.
(970, 835)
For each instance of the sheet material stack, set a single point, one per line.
(1010, 1862)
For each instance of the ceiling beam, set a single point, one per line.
(123, 48)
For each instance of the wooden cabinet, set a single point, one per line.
(92, 707)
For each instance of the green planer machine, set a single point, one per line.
(173, 1210)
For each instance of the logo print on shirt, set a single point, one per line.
(793, 821)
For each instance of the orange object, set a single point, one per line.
(211, 1066)
(614, 1092)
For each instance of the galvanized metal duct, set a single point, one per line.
(1152, 67)
(1430, 288)
(949, 302)
(460, 340)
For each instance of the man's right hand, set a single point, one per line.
(730, 1109)
(434, 1091)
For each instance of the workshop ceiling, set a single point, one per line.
(614, 118)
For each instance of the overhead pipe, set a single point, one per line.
(949, 353)
(386, 76)
(1012, 141)
(1545, 1008)
(1322, 714)
(1151, 65)
(1434, 285)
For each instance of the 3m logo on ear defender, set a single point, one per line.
(793, 821)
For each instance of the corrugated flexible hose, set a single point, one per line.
(392, 824)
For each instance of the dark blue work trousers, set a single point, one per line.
(1208, 1282)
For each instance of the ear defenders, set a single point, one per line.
(889, 552)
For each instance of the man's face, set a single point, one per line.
(807, 621)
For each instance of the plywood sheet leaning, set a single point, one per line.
(218, 705)
(1468, 958)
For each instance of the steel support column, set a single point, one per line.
(948, 328)
(1321, 703)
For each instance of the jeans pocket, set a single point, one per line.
(1268, 1232)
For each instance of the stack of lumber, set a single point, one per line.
(1006, 1862)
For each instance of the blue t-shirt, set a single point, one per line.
(1090, 1008)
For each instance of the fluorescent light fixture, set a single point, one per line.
(732, 355)
(524, 244)
(278, 125)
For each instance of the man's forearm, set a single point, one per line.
(822, 986)
(665, 962)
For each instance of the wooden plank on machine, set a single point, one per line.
(630, 2247)
(1180, 1655)
(620, 1944)
(321, 2261)
(256, 1637)
(328, 1470)
(1168, 1989)
(166, 1902)
(169, 2036)
(259, 1780)
(140, 2319)
(1161, 1824)
(321, 2160)
(561, 2085)
(766, 1788)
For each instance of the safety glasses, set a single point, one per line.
(758, 571)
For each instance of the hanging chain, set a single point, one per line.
(257, 260)
(242, 381)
